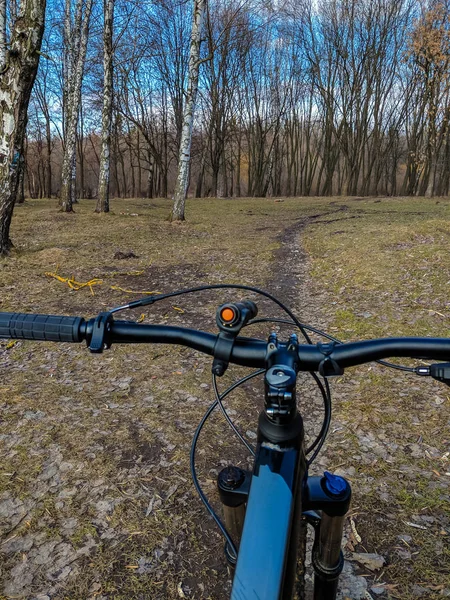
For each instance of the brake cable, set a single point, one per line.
(227, 416)
(200, 492)
(325, 394)
(152, 299)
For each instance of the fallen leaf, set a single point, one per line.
(436, 588)
(415, 525)
(354, 531)
(371, 561)
(150, 507)
(181, 594)
(171, 491)
(349, 546)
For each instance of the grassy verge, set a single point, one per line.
(385, 271)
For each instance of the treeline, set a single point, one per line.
(304, 97)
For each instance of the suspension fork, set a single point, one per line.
(331, 495)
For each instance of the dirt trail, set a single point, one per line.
(293, 284)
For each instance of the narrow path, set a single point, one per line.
(292, 283)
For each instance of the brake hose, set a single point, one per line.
(200, 492)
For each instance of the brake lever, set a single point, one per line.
(101, 328)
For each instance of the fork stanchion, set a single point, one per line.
(330, 494)
(233, 485)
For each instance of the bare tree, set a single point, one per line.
(430, 53)
(179, 197)
(16, 82)
(76, 46)
(103, 187)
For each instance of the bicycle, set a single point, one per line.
(265, 511)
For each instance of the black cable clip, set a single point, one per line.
(230, 319)
(329, 367)
(101, 329)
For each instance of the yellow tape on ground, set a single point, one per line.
(73, 284)
(78, 285)
(119, 289)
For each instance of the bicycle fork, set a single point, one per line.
(329, 494)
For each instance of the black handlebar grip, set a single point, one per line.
(49, 328)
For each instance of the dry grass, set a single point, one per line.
(117, 427)
(385, 269)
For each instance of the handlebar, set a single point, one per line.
(249, 352)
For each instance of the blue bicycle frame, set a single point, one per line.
(267, 553)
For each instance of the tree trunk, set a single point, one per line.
(73, 104)
(179, 197)
(20, 199)
(16, 83)
(103, 186)
(151, 174)
(3, 38)
(80, 148)
(139, 166)
(48, 161)
(238, 168)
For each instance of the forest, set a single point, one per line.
(310, 143)
(295, 98)
(221, 99)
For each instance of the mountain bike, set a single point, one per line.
(266, 511)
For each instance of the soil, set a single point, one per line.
(95, 495)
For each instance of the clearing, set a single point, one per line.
(95, 493)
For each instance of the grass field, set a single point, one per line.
(95, 495)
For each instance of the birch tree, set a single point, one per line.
(179, 197)
(2, 33)
(103, 187)
(76, 47)
(16, 82)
